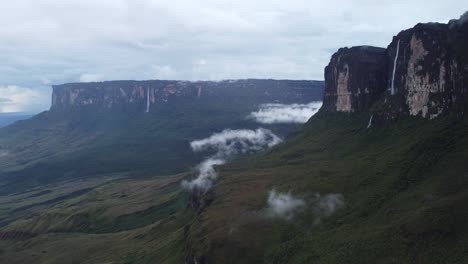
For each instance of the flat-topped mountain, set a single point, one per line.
(342, 189)
(138, 127)
(144, 95)
(422, 72)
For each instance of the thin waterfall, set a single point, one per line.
(370, 121)
(147, 100)
(394, 67)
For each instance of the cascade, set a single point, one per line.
(370, 121)
(394, 67)
(147, 100)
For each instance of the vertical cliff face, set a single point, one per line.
(144, 95)
(355, 78)
(424, 72)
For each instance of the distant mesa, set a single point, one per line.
(143, 95)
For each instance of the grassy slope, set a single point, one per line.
(116, 221)
(405, 186)
(9, 118)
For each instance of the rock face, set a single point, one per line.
(425, 74)
(144, 95)
(427, 71)
(355, 78)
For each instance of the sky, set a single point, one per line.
(46, 42)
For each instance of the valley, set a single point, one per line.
(368, 166)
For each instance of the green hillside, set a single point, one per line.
(404, 188)
(111, 220)
(66, 145)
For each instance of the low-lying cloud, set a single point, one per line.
(206, 175)
(233, 142)
(286, 206)
(326, 205)
(283, 205)
(16, 99)
(225, 145)
(285, 113)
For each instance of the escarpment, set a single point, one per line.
(428, 73)
(143, 95)
(423, 72)
(354, 78)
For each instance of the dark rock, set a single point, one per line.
(423, 70)
(143, 95)
(355, 78)
(428, 78)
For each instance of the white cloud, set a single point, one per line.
(225, 145)
(283, 205)
(55, 41)
(21, 99)
(206, 175)
(284, 113)
(233, 142)
(164, 72)
(88, 77)
(286, 206)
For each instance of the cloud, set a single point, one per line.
(21, 99)
(283, 113)
(283, 205)
(5, 100)
(234, 142)
(52, 41)
(206, 175)
(286, 206)
(87, 77)
(326, 205)
(225, 145)
(163, 72)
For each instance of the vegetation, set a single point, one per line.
(56, 146)
(404, 184)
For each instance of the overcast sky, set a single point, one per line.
(44, 42)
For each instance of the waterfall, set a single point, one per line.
(370, 121)
(147, 100)
(394, 67)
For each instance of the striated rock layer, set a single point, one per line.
(143, 95)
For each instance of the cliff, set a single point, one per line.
(355, 78)
(423, 72)
(144, 95)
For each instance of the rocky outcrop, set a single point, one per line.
(355, 78)
(144, 95)
(425, 74)
(427, 71)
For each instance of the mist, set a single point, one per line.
(285, 113)
(226, 145)
(283, 205)
(326, 205)
(286, 206)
